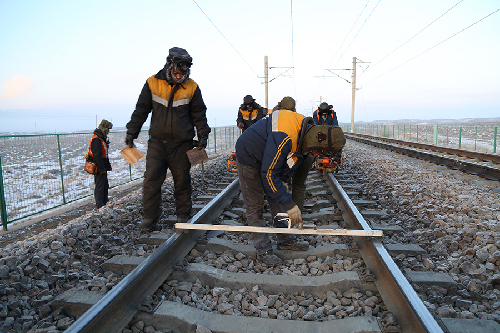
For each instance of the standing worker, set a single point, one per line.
(177, 107)
(268, 154)
(98, 153)
(324, 114)
(249, 113)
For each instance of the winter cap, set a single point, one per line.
(105, 125)
(179, 56)
(288, 103)
(248, 99)
(325, 107)
(277, 107)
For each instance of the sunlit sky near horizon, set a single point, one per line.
(65, 63)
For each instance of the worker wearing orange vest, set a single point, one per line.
(249, 113)
(325, 115)
(98, 153)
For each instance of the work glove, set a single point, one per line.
(202, 141)
(241, 126)
(129, 140)
(295, 215)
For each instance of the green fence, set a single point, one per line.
(481, 138)
(43, 171)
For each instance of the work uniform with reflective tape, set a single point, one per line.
(268, 153)
(176, 110)
(330, 119)
(98, 153)
(250, 117)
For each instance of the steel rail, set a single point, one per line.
(486, 171)
(452, 151)
(115, 310)
(400, 298)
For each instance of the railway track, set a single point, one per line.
(481, 164)
(341, 284)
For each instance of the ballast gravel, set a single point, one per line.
(456, 220)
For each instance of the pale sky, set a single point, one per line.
(65, 63)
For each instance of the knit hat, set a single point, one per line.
(105, 125)
(288, 103)
(248, 99)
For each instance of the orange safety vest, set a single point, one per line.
(103, 145)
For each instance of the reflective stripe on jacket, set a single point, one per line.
(331, 119)
(248, 118)
(176, 110)
(104, 146)
(98, 151)
(272, 146)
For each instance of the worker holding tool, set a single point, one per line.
(268, 153)
(177, 107)
(249, 113)
(98, 153)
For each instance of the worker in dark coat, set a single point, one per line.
(249, 113)
(297, 183)
(268, 154)
(98, 153)
(177, 108)
(324, 114)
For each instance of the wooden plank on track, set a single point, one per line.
(336, 232)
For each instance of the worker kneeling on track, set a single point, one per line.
(268, 153)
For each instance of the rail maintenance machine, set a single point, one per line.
(329, 163)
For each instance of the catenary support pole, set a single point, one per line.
(353, 92)
(266, 81)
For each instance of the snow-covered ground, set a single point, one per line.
(31, 167)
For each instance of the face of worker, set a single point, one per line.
(178, 74)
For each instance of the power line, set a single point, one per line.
(362, 10)
(226, 39)
(416, 34)
(357, 32)
(369, 15)
(418, 55)
(293, 61)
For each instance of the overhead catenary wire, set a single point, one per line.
(430, 48)
(226, 39)
(341, 44)
(340, 47)
(371, 67)
(357, 33)
(293, 61)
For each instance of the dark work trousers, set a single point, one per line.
(161, 157)
(299, 182)
(252, 191)
(101, 189)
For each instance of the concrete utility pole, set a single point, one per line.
(354, 62)
(266, 81)
(353, 92)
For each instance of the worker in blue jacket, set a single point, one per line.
(268, 153)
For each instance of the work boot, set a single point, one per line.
(269, 258)
(183, 218)
(148, 223)
(293, 245)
